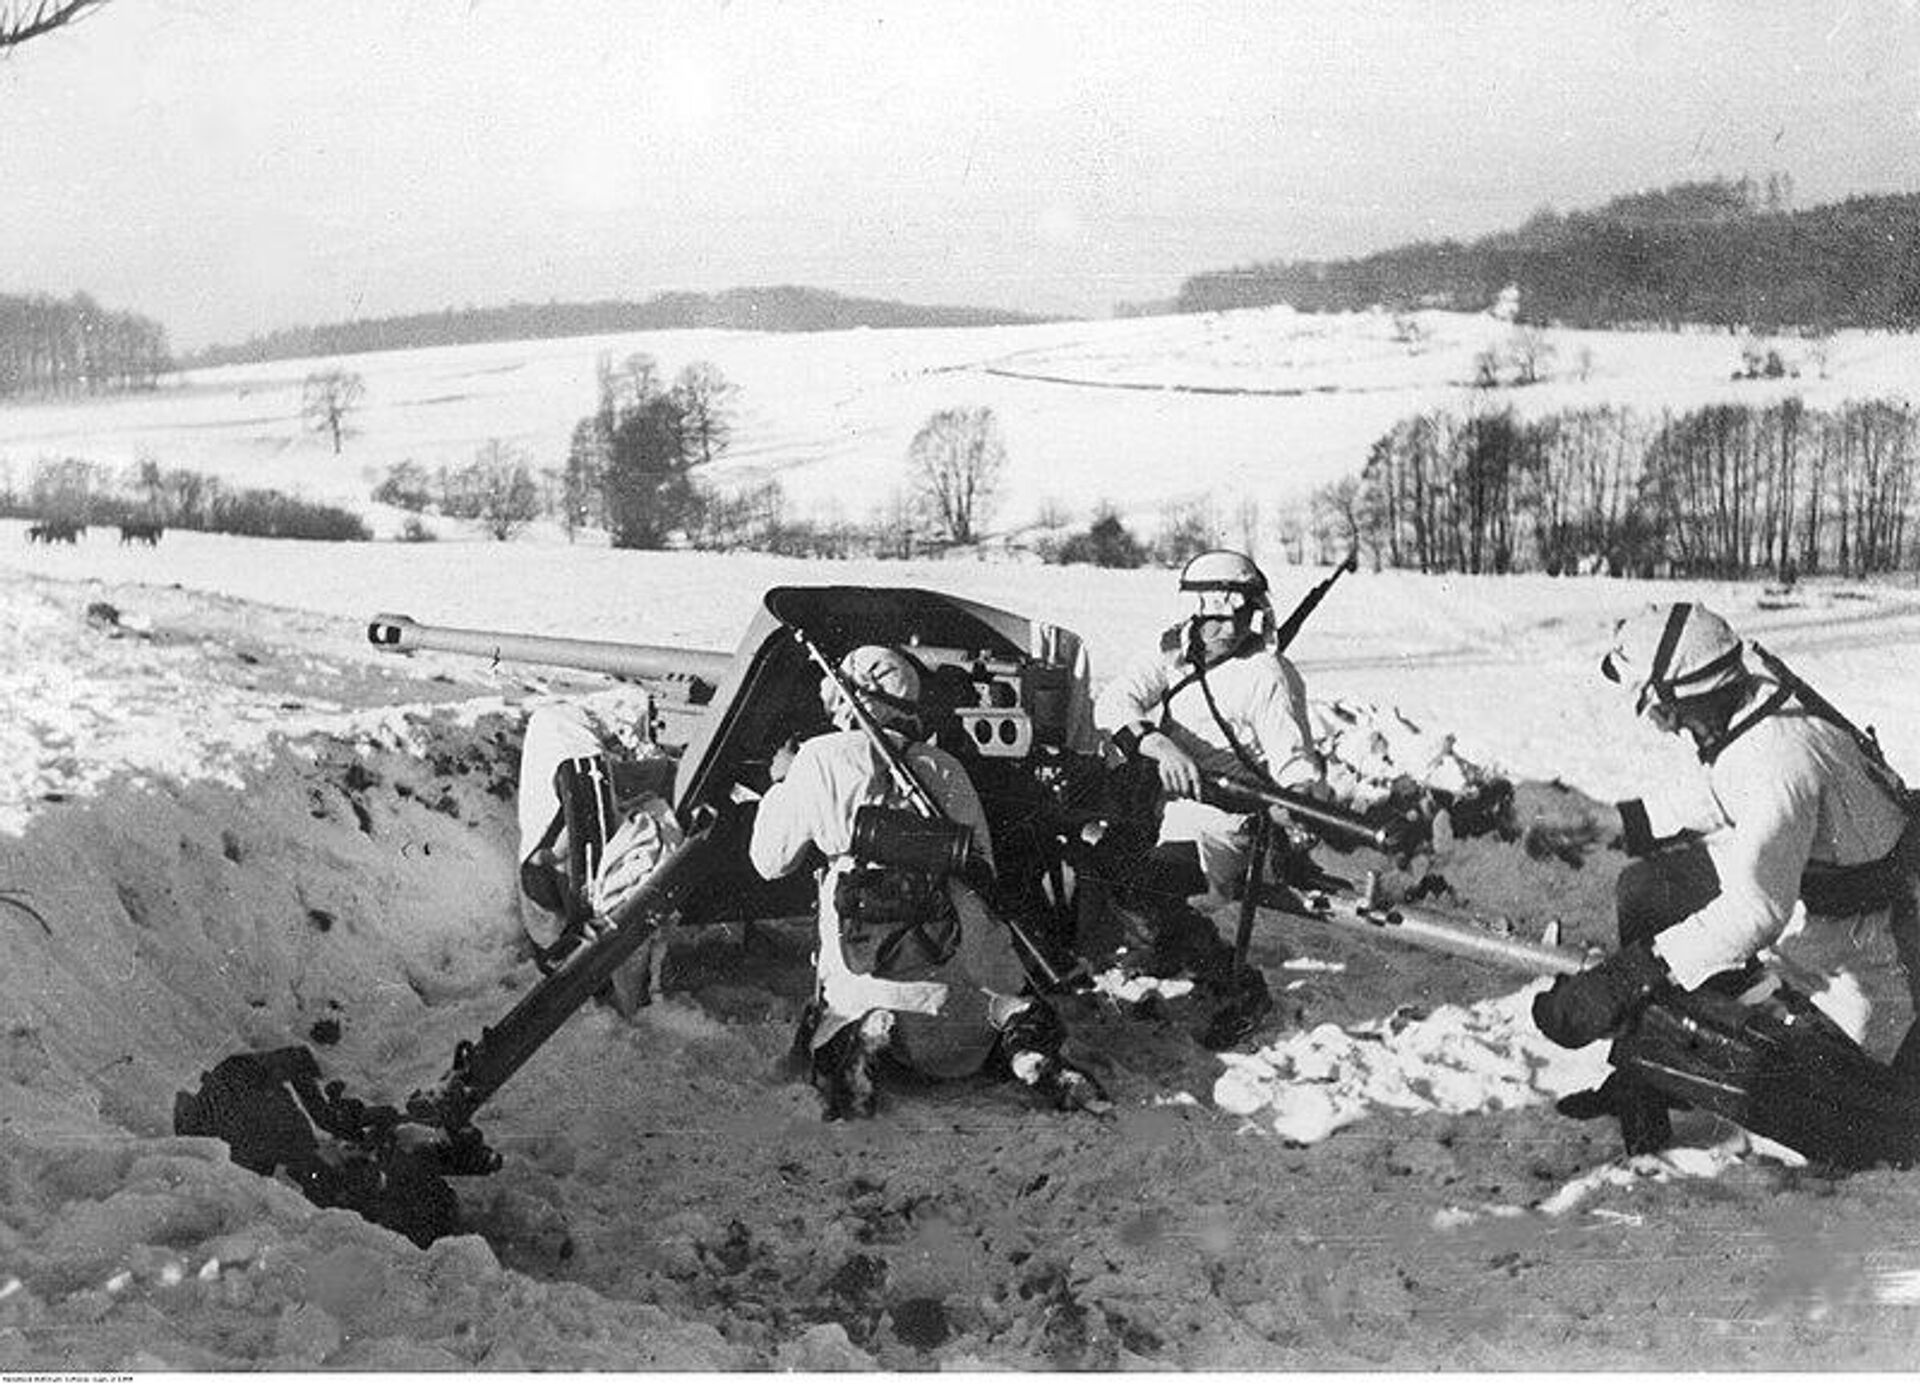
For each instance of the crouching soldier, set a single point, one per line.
(1216, 698)
(594, 822)
(911, 963)
(1795, 809)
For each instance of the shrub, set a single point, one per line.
(1106, 543)
(272, 514)
(405, 486)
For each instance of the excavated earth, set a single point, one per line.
(670, 1198)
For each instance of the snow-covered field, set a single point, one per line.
(227, 822)
(1259, 405)
(1508, 664)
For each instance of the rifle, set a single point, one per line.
(1300, 614)
(1825, 710)
(914, 790)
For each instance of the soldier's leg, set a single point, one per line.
(1031, 1037)
(845, 1052)
(1651, 895)
(1904, 923)
(556, 735)
(1654, 893)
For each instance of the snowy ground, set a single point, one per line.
(225, 822)
(1257, 406)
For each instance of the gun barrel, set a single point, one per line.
(402, 634)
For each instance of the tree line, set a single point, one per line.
(1728, 490)
(1726, 253)
(75, 346)
(776, 309)
(84, 492)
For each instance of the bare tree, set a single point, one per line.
(500, 487)
(23, 21)
(955, 462)
(327, 398)
(1531, 354)
(706, 398)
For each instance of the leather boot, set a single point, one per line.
(1030, 1040)
(843, 1066)
(1245, 1004)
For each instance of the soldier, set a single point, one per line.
(1794, 810)
(911, 962)
(1215, 698)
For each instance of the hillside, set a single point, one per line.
(1722, 253)
(777, 309)
(1246, 412)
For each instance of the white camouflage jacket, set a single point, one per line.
(1792, 790)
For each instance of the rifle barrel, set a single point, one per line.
(1297, 618)
(403, 634)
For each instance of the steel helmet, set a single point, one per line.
(885, 679)
(1225, 582)
(1671, 654)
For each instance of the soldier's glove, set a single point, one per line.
(1585, 1008)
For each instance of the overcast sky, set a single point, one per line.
(232, 166)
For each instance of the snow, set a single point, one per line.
(1506, 665)
(1261, 405)
(145, 683)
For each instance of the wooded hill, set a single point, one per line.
(1721, 253)
(779, 309)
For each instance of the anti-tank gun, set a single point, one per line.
(1005, 694)
(1009, 696)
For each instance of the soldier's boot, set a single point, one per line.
(843, 1066)
(1245, 1003)
(1030, 1040)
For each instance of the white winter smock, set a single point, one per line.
(1262, 701)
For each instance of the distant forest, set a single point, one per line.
(781, 309)
(51, 346)
(1723, 253)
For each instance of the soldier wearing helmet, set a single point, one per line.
(1790, 811)
(1214, 698)
(907, 965)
